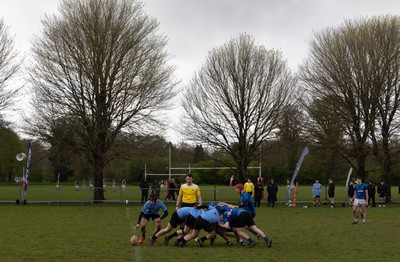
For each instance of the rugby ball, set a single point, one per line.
(134, 240)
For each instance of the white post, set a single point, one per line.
(169, 161)
(259, 170)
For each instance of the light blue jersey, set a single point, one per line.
(317, 188)
(183, 212)
(211, 215)
(149, 209)
(195, 212)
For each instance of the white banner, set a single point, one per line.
(348, 177)
(303, 154)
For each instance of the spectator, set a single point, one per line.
(76, 184)
(272, 191)
(171, 190)
(331, 192)
(382, 191)
(123, 184)
(350, 193)
(371, 194)
(156, 188)
(316, 190)
(144, 187)
(258, 193)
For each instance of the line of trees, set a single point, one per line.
(101, 77)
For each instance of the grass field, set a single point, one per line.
(101, 232)
(46, 192)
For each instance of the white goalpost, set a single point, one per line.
(190, 168)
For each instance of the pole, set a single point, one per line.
(169, 161)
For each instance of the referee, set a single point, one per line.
(188, 193)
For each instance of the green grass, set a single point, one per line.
(101, 232)
(46, 192)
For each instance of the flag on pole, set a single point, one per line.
(348, 177)
(28, 162)
(303, 154)
(231, 180)
(58, 181)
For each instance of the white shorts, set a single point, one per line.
(360, 202)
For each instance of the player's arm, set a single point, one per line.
(164, 215)
(226, 204)
(245, 203)
(224, 225)
(178, 201)
(200, 200)
(139, 219)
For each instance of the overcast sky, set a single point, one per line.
(194, 27)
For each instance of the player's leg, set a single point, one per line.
(143, 224)
(364, 212)
(355, 212)
(164, 230)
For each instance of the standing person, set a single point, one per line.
(114, 185)
(350, 193)
(171, 190)
(91, 184)
(151, 210)
(316, 190)
(144, 187)
(249, 187)
(272, 190)
(360, 200)
(382, 191)
(246, 202)
(156, 188)
(104, 185)
(258, 192)
(371, 194)
(76, 184)
(123, 184)
(331, 192)
(188, 193)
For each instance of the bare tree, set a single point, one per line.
(234, 102)
(386, 33)
(355, 70)
(100, 66)
(9, 66)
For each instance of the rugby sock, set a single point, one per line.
(172, 235)
(154, 237)
(250, 240)
(251, 230)
(203, 238)
(265, 239)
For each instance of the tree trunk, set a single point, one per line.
(98, 183)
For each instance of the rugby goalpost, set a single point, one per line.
(189, 169)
